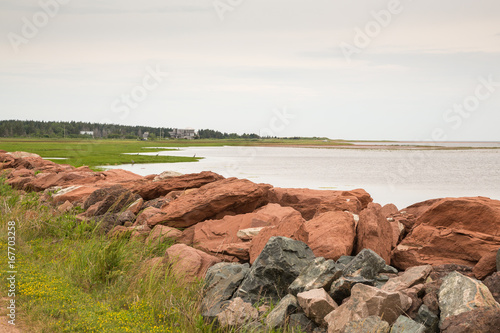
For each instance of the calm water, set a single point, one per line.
(402, 177)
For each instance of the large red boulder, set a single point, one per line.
(419, 208)
(82, 177)
(17, 178)
(214, 200)
(48, 180)
(23, 160)
(330, 235)
(312, 202)
(189, 263)
(75, 194)
(487, 265)
(374, 232)
(149, 190)
(214, 236)
(452, 230)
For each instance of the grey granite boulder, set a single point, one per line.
(406, 325)
(300, 321)
(318, 274)
(276, 267)
(459, 294)
(341, 288)
(428, 318)
(366, 264)
(279, 316)
(221, 281)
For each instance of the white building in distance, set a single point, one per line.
(178, 133)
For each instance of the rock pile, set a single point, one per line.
(327, 261)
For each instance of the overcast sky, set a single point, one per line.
(364, 69)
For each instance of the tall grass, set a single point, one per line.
(72, 278)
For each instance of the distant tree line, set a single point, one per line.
(211, 134)
(74, 129)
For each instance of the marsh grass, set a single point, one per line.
(73, 279)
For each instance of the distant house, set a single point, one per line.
(91, 133)
(187, 133)
(145, 136)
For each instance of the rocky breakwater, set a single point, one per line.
(327, 261)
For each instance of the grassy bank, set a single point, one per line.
(71, 278)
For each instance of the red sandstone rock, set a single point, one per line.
(65, 207)
(374, 232)
(312, 202)
(228, 195)
(136, 206)
(6, 161)
(316, 304)
(486, 265)
(388, 210)
(477, 320)
(409, 278)
(161, 233)
(19, 182)
(478, 214)
(210, 236)
(367, 301)
(235, 251)
(146, 215)
(189, 263)
(18, 178)
(138, 233)
(330, 235)
(452, 230)
(397, 232)
(153, 189)
(69, 178)
(23, 154)
(75, 194)
(419, 208)
(22, 173)
(429, 245)
(62, 179)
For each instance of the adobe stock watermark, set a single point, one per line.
(454, 118)
(11, 272)
(151, 81)
(363, 37)
(280, 120)
(32, 26)
(224, 6)
(460, 111)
